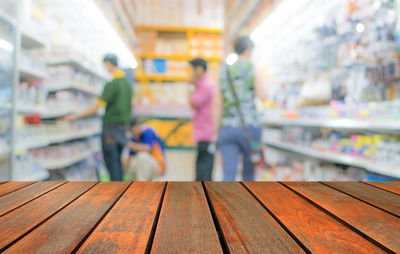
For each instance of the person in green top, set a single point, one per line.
(117, 100)
(231, 137)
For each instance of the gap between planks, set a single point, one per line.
(361, 200)
(30, 200)
(46, 219)
(341, 221)
(100, 220)
(306, 250)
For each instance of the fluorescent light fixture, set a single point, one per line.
(6, 45)
(231, 59)
(360, 27)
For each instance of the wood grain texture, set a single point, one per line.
(378, 225)
(318, 231)
(24, 195)
(185, 224)
(1, 182)
(246, 225)
(23, 219)
(375, 196)
(63, 232)
(127, 227)
(9, 187)
(389, 186)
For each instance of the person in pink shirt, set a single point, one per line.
(201, 102)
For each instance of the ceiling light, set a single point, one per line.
(360, 27)
(231, 59)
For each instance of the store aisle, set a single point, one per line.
(181, 166)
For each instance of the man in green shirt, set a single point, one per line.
(117, 100)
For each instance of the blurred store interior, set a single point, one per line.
(331, 70)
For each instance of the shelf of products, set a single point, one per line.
(65, 155)
(57, 138)
(29, 73)
(4, 153)
(286, 165)
(179, 29)
(7, 18)
(8, 70)
(177, 57)
(30, 40)
(337, 87)
(376, 153)
(44, 113)
(81, 87)
(78, 64)
(386, 170)
(160, 77)
(347, 124)
(163, 77)
(50, 164)
(27, 169)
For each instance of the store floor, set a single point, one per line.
(181, 166)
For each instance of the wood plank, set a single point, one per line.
(185, 223)
(63, 232)
(22, 196)
(389, 186)
(374, 223)
(380, 198)
(246, 225)
(9, 187)
(318, 231)
(1, 182)
(18, 222)
(127, 228)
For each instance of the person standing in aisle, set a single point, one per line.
(117, 100)
(201, 102)
(232, 139)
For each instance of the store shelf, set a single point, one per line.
(9, 19)
(183, 57)
(179, 29)
(350, 124)
(164, 116)
(76, 63)
(369, 165)
(57, 138)
(43, 112)
(31, 145)
(30, 41)
(53, 139)
(88, 89)
(50, 164)
(5, 153)
(29, 109)
(39, 176)
(31, 74)
(160, 77)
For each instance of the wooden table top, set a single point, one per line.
(196, 217)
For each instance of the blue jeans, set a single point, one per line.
(231, 143)
(113, 140)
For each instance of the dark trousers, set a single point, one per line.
(113, 141)
(204, 162)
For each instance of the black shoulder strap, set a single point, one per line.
(237, 104)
